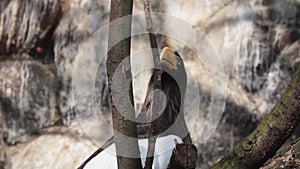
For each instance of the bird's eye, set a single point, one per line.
(178, 60)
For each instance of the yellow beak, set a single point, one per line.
(167, 58)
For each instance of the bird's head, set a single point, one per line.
(172, 65)
(168, 58)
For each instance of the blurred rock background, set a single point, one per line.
(54, 109)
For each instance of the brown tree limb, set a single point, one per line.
(119, 49)
(268, 137)
(286, 157)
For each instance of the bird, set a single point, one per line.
(166, 122)
(172, 80)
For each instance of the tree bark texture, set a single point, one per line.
(269, 136)
(184, 156)
(119, 49)
(286, 157)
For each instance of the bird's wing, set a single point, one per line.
(152, 113)
(146, 118)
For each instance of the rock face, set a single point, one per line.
(5, 161)
(28, 98)
(77, 27)
(268, 58)
(28, 79)
(49, 50)
(54, 149)
(35, 18)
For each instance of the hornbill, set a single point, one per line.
(166, 122)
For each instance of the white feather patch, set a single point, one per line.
(164, 147)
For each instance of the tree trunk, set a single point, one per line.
(118, 50)
(269, 136)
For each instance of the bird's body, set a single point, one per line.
(166, 120)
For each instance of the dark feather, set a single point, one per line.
(173, 102)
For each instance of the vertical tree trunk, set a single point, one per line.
(116, 54)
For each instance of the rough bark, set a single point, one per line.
(118, 52)
(286, 157)
(184, 156)
(269, 136)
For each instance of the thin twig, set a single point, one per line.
(155, 54)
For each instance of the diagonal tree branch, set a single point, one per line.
(268, 137)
